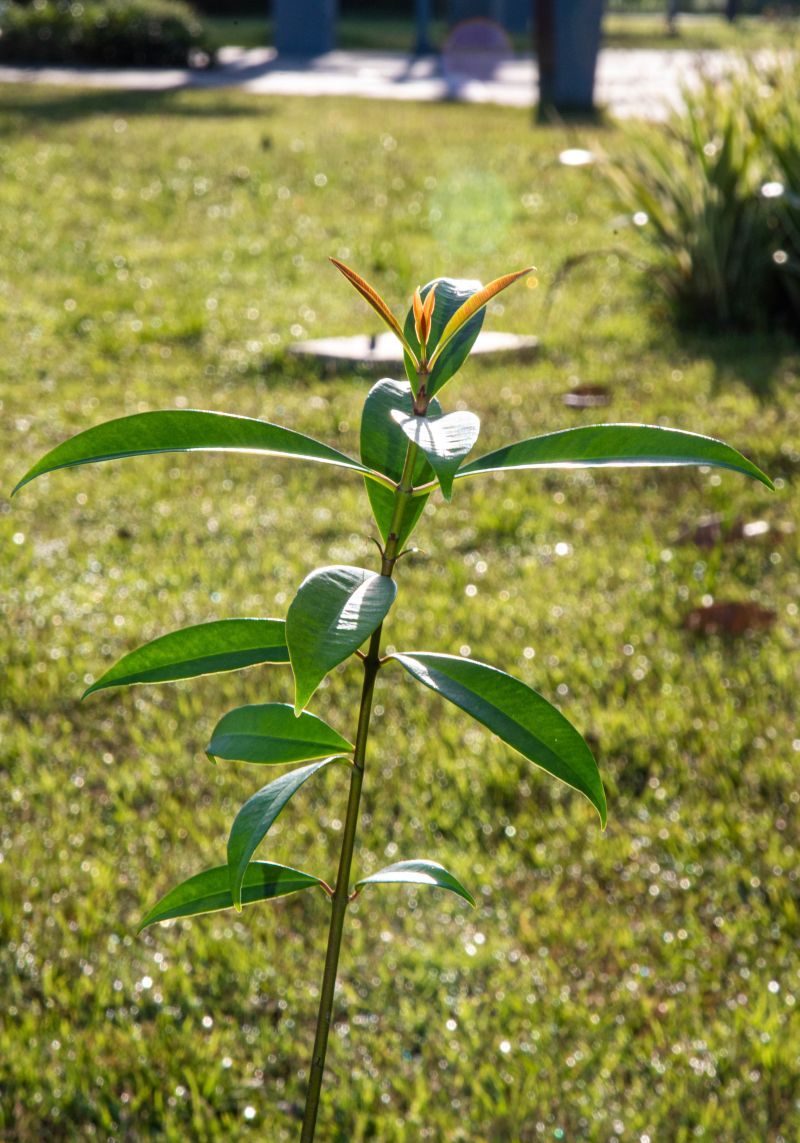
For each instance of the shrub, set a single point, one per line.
(717, 195)
(693, 189)
(776, 121)
(122, 33)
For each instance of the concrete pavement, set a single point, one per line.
(642, 83)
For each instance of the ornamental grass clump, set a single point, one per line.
(410, 446)
(716, 195)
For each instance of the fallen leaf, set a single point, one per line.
(729, 618)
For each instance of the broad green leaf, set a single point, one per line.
(614, 446)
(223, 645)
(186, 430)
(210, 891)
(444, 440)
(383, 448)
(271, 733)
(516, 714)
(418, 872)
(371, 295)
(451, 293)
(473, 304)
(254, 819)
(335, 610)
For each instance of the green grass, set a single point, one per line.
(621, 30)
(377, 33)
(163, 251)
(699, 32)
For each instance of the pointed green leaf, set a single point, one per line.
(335, 610)
(472, 305)
(185, 430)
(451, 294)
(383, 448)
(254, 819)
(210, 891)
(418, 872)
(444, 440)
(270, 732)
(516, 714)
(206, 648)
(615, 446)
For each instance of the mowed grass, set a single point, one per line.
(635, 984)
(620, 30)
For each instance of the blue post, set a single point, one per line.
(304, 27)
(423, 12)
(513, 15)
(567, 44)
(458, 10)
(517, 15)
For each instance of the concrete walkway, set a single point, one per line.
(646, 84)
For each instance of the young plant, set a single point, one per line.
(409, 445)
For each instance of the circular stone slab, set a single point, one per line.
(384, 350)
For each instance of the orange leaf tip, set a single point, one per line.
(371, 295)
(474, 304)
(423, 312)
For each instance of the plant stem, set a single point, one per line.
(341, 894)
(402, 498)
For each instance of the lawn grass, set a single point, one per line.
(696, 32)
(641, 983)
(620, 30)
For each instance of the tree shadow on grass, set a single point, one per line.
(768, 365)
(35, 105)
(759, 361)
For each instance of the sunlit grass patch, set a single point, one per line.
(163, 252)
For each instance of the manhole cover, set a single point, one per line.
(729, 618)
(384, 350)
(587, 397)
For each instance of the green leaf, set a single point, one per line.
(473, 304)
(614, 446)
(271, 733)
(451, 294)
(186, 430)
(223, 645)
(444, 440)
(516, 714)
(418, 872)
(254, 819)
(210, 891)
(335, 610)
(383, 448)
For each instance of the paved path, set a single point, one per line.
(629, 83)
